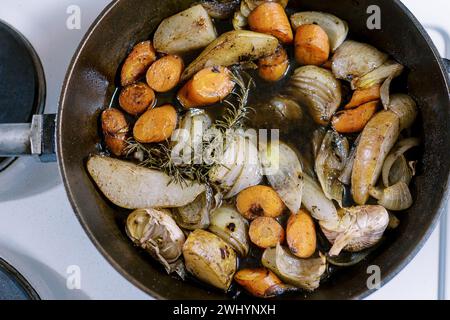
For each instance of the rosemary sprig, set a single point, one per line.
(236, 114)
(158, 156)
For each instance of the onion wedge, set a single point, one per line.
(130, 186)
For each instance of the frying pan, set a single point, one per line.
(90, 84)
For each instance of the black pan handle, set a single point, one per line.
(30, 139)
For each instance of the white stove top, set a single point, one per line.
(39, 233)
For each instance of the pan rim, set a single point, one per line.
(62, 166)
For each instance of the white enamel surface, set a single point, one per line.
(39, 233)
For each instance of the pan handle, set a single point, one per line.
(30, 139)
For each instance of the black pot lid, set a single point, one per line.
(13, 286)
(22, 81)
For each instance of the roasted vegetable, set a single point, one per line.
(354, 120)
(208, 86)
(280, 113)
(270, 18)
(136, 98)
(346, 173)
(186, 31)
(364, 96)
(220, 9)
(115, 129)
(284, 171)
(274, 67)
(405, 108)
(164, 74)
(360, 228)
(210, 259)
(377, 139)
(301, 234)
(335, 28)
(156, 232)
(318, 90)
(187, 140)
(386, 87)
(315, 201)
(240, 19)
(231, 48)
(312, 46)
(195, 215)
(266, 232)
(330, 162)
(229, 225)
(396, 197)
(389, 69)
(397, 152)
(229, 163)
(302, 273)
(355, 59)
(251, 173)
(261, 283)
(156, 125)
(259, 201)
(137, 62)
(133, 187)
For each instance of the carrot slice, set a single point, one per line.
(115, 129)
(156, 125)
(270, 18)
(137, 62)
(136, 98)
(301, 234)
(261, 282)
(363, 96)
(259, 201)
(207, 87)
(312, 46)
(274, 67)
(354, 120)
(164, 74)
(266, 232)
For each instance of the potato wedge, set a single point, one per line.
(137, 63)
(210, 259)
(231, 48)
(377, 139)
(261, 283)
(301, 234)
(188, 30)
(133, 187)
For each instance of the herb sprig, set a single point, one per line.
(159, 155)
